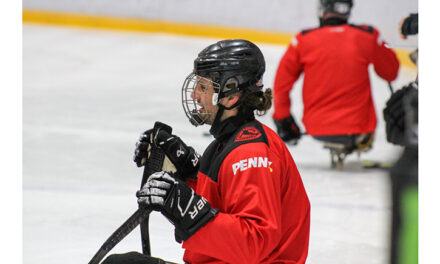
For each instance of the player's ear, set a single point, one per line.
(232, 99)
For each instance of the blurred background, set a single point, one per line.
(288, 16)
(271, 21)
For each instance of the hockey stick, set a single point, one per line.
(391, 88)
(131, 223)
(152, 165)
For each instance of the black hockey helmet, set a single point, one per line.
(229, 61)
(340, 7)
(233, 65)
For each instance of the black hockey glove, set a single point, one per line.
(410, 25)
(288, 130)
(143, 147)
(396, 113)
(185, 161)
(145, 144)
(185, 209)
(183, 157)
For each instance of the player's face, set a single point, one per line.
(203, 93)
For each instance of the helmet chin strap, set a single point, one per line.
(224, 94)
(222, 108)
(221, 128)
(218, 115)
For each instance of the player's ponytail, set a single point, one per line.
(260, 101)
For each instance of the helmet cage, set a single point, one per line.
(189, 101)
(232, 66)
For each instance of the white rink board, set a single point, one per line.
(88, 94)
(276, 15)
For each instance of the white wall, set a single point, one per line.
(277, 15)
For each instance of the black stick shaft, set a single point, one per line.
(391, 88)
(131, 223)
(153, 164)
(141, 216)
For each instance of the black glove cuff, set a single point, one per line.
(192, 164)
(183, 234)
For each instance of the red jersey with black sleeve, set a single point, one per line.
(336, 91)
(264, 212)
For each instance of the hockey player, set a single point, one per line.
(243, 200)
(338, 106)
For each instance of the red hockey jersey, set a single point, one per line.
(264, 209)
(336, 91)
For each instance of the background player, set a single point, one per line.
(334, 58)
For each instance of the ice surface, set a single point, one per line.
(88, 94)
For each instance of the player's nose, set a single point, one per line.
(195, 95)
